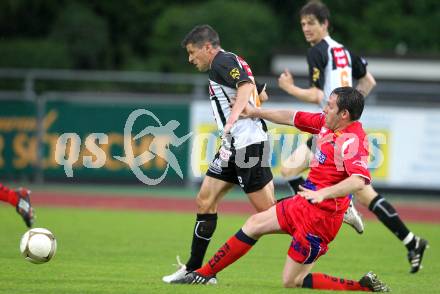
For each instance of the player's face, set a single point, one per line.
(313, 31)
(332, 114)
(199, 56)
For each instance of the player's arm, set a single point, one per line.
(366, 84)
(244, 91)
(350, 185)
(366, 81)
(310, 95)
(278, 116)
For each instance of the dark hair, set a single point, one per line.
(350, 99)
(316, 8)
(201, 34)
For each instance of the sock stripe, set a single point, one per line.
(384, 210)
(195, 231)
(240, 235)
(408, 238)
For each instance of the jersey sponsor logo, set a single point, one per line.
(235, 73)
(340, 58)
(316, 74)
(320, 157)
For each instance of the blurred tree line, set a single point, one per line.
(146, 35)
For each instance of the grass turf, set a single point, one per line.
(128, 252)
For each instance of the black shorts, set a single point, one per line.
(248, 167)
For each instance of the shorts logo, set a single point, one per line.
(316, 74)
(240, 181)
(216, 166)
(235, 73)
(320, 157)
(296, 245)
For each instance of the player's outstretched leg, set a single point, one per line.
(203, 230)
(369, 283)
(24, 207)
(20, 199)
(388, 215)
(211, 191)
(353, 218)
(415, 255)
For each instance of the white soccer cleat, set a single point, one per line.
(353, 218)
(196, 278)
(178, 275)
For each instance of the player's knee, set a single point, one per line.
(252, 226)
(289, 282)
(366, 195)
(205, 204)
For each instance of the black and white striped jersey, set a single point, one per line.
(331, 66)
(226, 73)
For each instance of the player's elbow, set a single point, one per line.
(358, 183)
(371, 80)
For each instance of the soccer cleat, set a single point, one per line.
(24, 207)
(353, 218)
(370, 281)
(415, 255)
(196, 278)
(178, 275)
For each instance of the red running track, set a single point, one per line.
(408, 211)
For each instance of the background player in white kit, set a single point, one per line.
(331, 65)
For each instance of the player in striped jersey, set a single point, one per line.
(331, 65)
(243, 157)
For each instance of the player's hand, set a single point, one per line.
(285, 81)
(248, 111)
(227, 129)
(310, 195)
(263, 96)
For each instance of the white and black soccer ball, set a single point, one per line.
(38, 245)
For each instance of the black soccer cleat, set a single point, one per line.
(24, 207)
(370, 281)
(415, 255)
(194, 278)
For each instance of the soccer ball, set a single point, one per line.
(38, 245)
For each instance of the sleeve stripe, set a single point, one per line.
(364, 176)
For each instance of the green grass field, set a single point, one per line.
(128, 252)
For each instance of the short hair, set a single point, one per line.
(317, 9)
(201, 34)
(350, 99)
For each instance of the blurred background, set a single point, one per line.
(83, 66)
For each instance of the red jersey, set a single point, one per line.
(337, 156)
